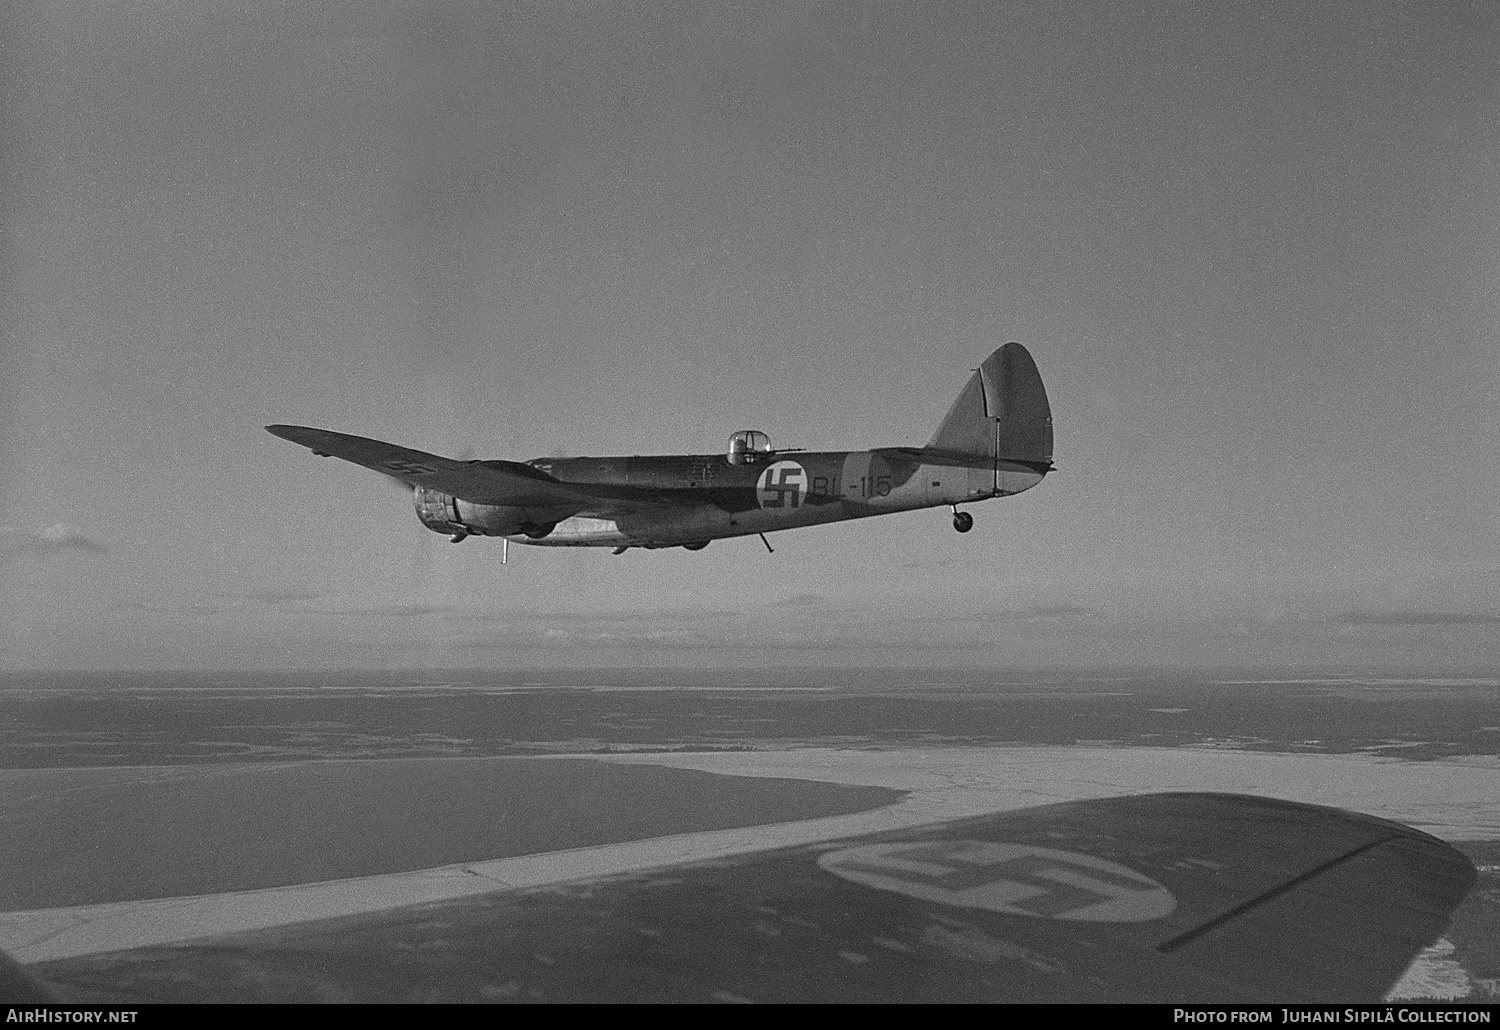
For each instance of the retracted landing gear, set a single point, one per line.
(962, 520)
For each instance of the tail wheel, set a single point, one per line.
(963, 521)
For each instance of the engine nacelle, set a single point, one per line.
(446, 514)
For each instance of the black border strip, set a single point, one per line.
(1169, 946)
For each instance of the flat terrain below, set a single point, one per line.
(87, 836)
(147, 813)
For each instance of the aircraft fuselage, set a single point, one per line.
(705, 497)
(996, 440)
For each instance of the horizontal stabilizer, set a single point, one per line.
(480, 482)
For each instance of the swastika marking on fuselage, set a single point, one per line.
(783, 485)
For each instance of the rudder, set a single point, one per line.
(1002, 412)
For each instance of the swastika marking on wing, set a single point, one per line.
(411, 468)
(1013, 878)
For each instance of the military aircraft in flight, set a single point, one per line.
(995, 441)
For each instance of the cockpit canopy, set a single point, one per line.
(747, 446)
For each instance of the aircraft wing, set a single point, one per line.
(482, 482)
(1173, 898)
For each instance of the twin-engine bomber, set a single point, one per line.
(995, 441)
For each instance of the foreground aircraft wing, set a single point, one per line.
(1160, 898)
(482, 482)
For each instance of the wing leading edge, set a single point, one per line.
(481, 482)
(508, 484)
(1162, 898)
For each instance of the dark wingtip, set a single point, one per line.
(304, 435)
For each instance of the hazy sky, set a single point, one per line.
(1254, 249)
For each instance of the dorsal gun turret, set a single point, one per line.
(747, 447)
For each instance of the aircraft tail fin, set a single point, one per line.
(1002, 412)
